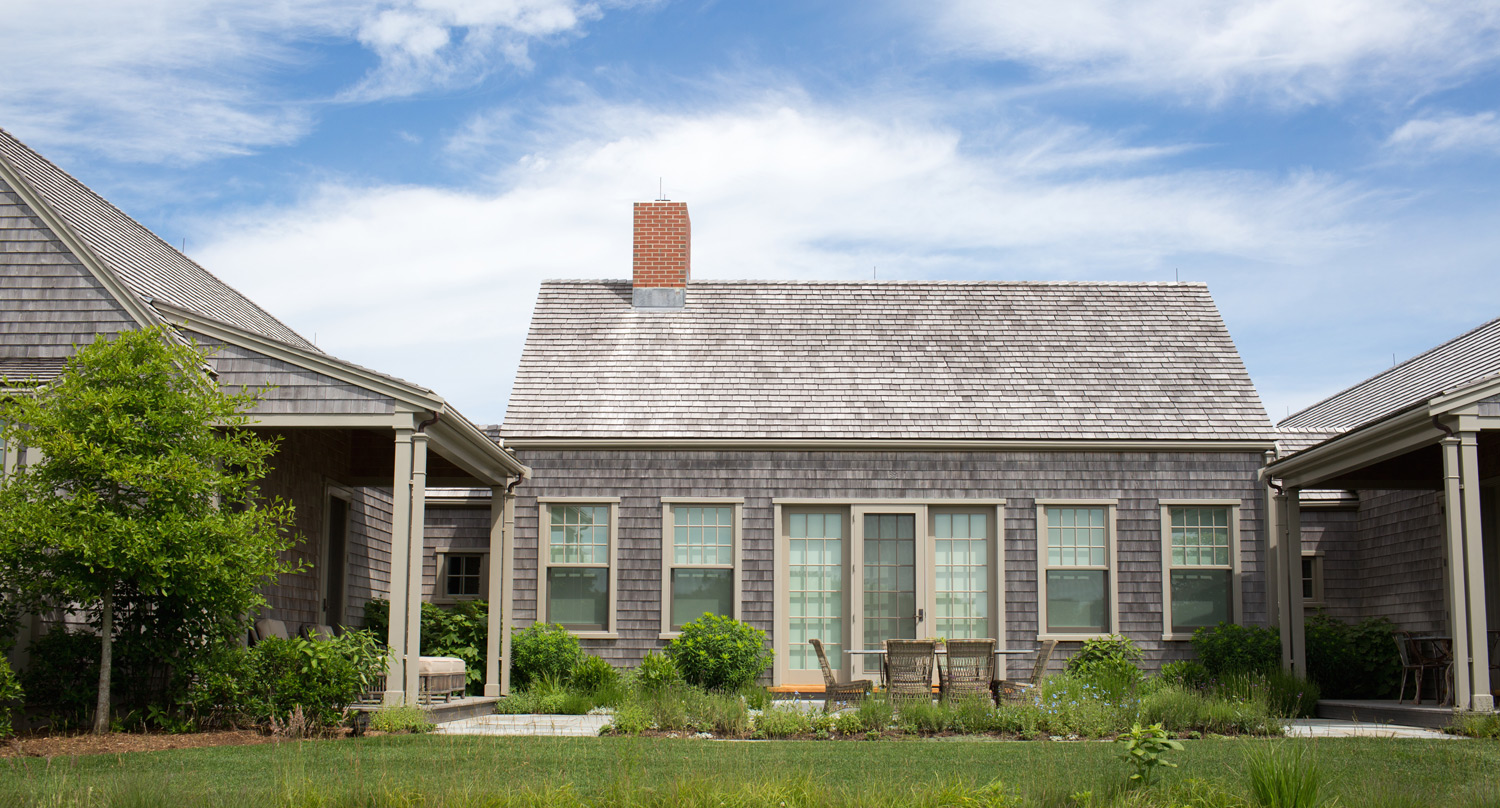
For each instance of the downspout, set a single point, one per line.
(422, 427)
(1437, 423)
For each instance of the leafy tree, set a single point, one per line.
(145, 492)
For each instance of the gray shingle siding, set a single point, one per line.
(49, 302)
(1137, 479)
(293, 389)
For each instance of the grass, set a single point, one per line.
(466, 771)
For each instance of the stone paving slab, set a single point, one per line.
(1336, 728)
(537, 725)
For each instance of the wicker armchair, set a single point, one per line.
(970, 669)
(1014, 691)
(908, 669)
(835, 691)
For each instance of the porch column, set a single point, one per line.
(415, 543)
(1457, 590)
(508, 572)
(400, 561)
(1479, 647)
(1291, 559)
(498, 590)
(1272, 532)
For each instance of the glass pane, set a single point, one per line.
(1076, 602)
(1199, 598)
(695, 592)
(962, 582)
(815, 594)
(578, 598)
(580, 535)
(890, 610)
(1077, 535)
(1200, 537)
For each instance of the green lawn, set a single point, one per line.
(417, 770)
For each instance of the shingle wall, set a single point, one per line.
(452, 528)
(1334, 532)
(1137, 479)
(292, 389)
(49, 301)
(1401, 558)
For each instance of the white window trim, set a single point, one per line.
(1320, 594)
(781, 583)
(440, 596)
(543, 556)
(1236, 593)
(736, 517)
(1111, 567)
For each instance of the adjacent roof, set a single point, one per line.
(148, 266)
(915, 361)
(1456, 363)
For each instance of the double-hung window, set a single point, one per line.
(1076, 562)
(578, 560)
(700, 560)
(1200, 565)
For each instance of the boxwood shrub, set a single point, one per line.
(720, 653)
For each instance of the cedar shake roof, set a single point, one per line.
(958, 360)
(150, 267)
(1459, 362)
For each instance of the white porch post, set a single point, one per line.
(400, 560)
(497, 590)
(1458, 622)
(1292, 577)
(1279, 581)
(415, 544)
(508, 572)
(1479, 647)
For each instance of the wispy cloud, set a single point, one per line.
(190, 80)
(1468, 134)
(1284, 50)
(779, 188)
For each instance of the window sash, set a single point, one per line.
(1076, 568)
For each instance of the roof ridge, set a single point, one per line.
(1390, 370)
(820, 282)
(131, 220)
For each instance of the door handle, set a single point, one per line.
(920, 614)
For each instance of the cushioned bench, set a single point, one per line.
(438, 676)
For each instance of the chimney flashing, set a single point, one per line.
(658, 298)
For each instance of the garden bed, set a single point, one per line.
(50, 745)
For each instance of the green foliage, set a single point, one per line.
(720, 652)
(145, 493)
(1357, 661)
(876, 714)
(1291, 697)
(1229, 649)
(656, 673)
(1285, 776)
(779, 721)
(1110, 663)
(1475, 725)
(543, 650)
(1185, 673)
(1145, 749)
(62, 679)
(594, 675)
(459, 631)
(11, 695)
(1184, 710)
(400, 718)
(277, 677)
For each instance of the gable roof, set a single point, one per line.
(150, 268)
(887, 360)
(1459, 362)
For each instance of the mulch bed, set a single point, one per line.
(75, 744)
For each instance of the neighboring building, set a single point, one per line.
(860, 461)
(1392, 483)
(358, 447)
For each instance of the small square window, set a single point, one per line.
(464, 577)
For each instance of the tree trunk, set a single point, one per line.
(107, 638)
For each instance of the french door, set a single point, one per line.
(858, 575)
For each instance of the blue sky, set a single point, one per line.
(396, 176)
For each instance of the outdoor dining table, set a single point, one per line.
(880, 652)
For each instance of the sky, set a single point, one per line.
(393, 178)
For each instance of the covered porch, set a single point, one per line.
(1447, 446)
(359, 452)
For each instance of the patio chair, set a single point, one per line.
(1015, 691)
(318, 631)
(1411, 663)
(908, 669)
(835, 691)
(265, 628)
(969, 669)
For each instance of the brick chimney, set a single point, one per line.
(663, 254)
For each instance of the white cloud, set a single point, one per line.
(1479, 132)
(1289, 50)
(190, 80)
(437, 284)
